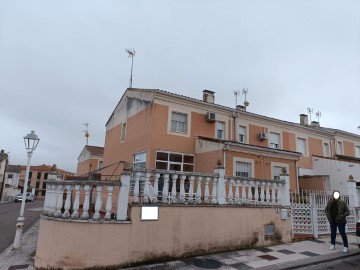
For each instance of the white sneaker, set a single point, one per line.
(345, 250)
(332, 247)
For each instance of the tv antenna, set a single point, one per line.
(310, 111)
(236, 93)
(245, 91)
(131, 53)
(318, 115)
(86, 131)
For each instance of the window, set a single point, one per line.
(10, 176)
(340, 150)
(179, 122)
(30, 175)
(38, 175)
(243, 169)
(274, 140)
(44, 185)
(100, 164)
(123, 132)
(276, 172)
(326, 150)
(357, 151)
(37, 184)
(242, 134)
(301, 146)
(220, 133)
(174, 161)
(140, 160)
(46, 176)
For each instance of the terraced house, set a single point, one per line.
(158, 129)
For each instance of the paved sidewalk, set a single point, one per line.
(286, 256)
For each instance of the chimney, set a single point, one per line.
(315, 124)
(304, 121)
(241, 108)
(208, 96)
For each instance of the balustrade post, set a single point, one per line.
(220, 185)
(122, 206)
(173, 189)
(85, 214)
(243, 191)
(136, 188)
(256, 192)
(279, 195)
(147, 196)
(262, 191)
(109, 203)
(75, 214)
(47, 198)
(249, 195)
(206, 195)
(165, 192)
(237, 191)
(214, 191)
(182, 188)
(191, 189)
(198, 190)
(231, 193)
(53, 200)
(353, 193)
(285, 190)
(156, 188)
(98, 203)
(67, 205)
(59, 204)
(273, 195)
(268, 192)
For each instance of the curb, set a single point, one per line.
(311, 261)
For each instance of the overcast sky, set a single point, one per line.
(63, 63)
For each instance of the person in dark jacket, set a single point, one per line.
(336, 212)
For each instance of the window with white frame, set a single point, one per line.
(243, 169)
(174, 161)
(123, 132)
(301, 146)
(326, 150)
(357, 151)
(242, 134)
(274, 140)
(179, 122)
(100, 164)
(340, 149)
(220, 130)
(276, 172)
(139, 160)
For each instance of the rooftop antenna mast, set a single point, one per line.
(245, 91)
(131, 53)
(86, 131)
(310, 111)
(318, 115)
(236, 93)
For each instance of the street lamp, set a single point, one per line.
(31, 141)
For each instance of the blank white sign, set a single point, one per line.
(149, 213)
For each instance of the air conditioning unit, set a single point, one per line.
(211, 117)
(262, 136)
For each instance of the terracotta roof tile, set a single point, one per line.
(95, 150)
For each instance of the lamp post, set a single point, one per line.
(31, 141)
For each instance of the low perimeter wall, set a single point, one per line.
(180, 231)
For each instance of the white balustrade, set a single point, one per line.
(198, 190)
(75, 214)
(191, 189)
(182, 189)
(147, 195)
(206, 195)
(109, 203)
(136, 188)
(98, 203)
(86, 206)
(165, 192)
(214, 193)
(173, 189)
(67, 205)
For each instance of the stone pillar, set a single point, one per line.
(285, 190)
(122, 206)
(220, 189)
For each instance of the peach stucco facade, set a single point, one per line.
(180, 231)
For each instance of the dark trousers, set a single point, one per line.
(341, 227)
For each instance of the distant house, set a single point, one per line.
(15, 178)
(90, 159)
(3, 163)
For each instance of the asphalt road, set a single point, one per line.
(350, 263)
(9, 212)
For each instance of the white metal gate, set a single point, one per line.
(308, 214)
